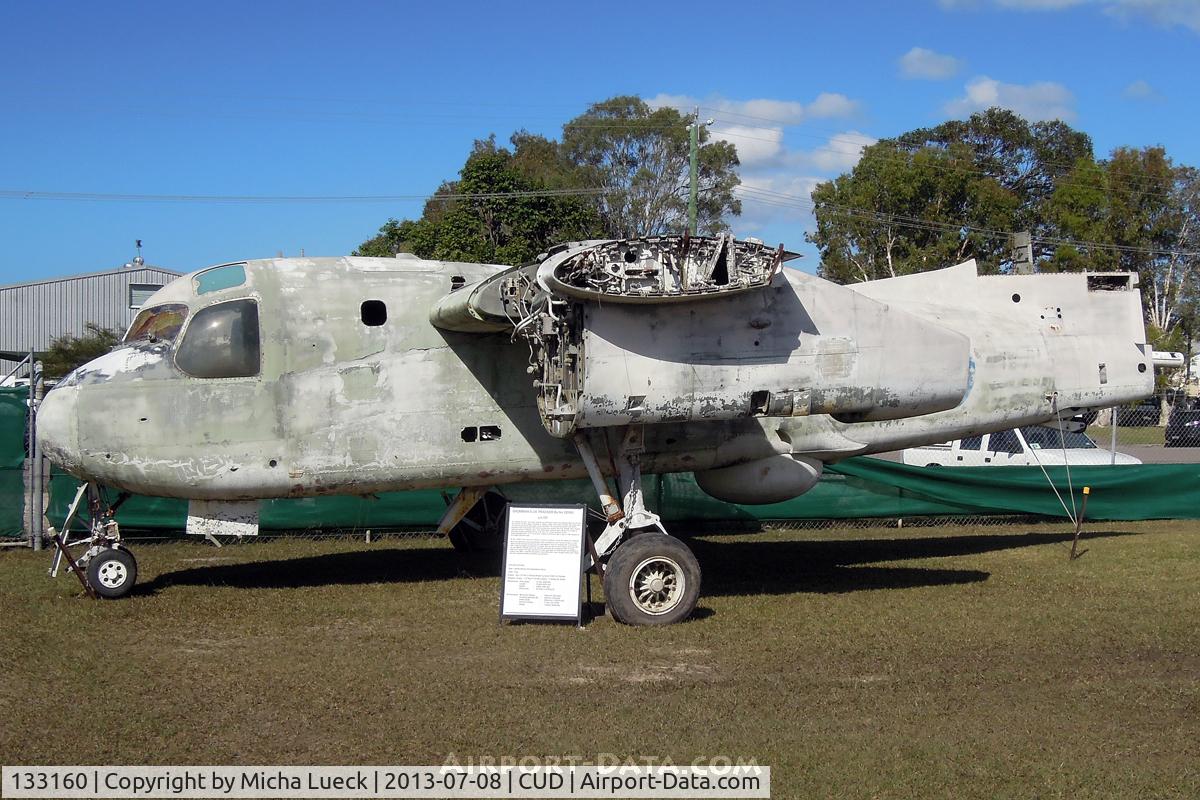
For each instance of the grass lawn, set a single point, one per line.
(1150, 434)
(933, 662)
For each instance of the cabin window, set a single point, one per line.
(222, 341)
(374, 313)
(214, 279)
(970, 443)
(157, 324)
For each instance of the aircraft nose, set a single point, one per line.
(58, 427)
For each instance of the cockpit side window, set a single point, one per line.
(157, 324)
(222, 341)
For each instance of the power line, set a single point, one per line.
(750, 194)
(779, 199)
(20, 194)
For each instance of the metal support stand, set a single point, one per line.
(62, 553)
(65, 540)
(1075, 551)
(457, 508)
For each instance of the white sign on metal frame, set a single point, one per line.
(542, 575)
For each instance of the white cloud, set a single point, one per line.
(777, 175)
(832, 105)
(838, 154)
(1044, 100)
(783, 112)
(756, 146)
(1167, 13)
(779, 192)
(920, 63)
(1141, 90)
(773, 199)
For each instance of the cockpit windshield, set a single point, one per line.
(222, 341)
(157, 324)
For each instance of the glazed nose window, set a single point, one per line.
(221, 342)
(157, 324)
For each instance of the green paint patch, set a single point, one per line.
(218, 278)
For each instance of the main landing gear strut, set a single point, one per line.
(106, 567)
(650, 578)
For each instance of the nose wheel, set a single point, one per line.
(106, 568)
(112, 572)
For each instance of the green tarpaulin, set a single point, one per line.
(853, 489)
(871, 487)
(13, 406)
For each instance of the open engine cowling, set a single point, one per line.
(768, 480)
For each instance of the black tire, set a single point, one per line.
(630, 587)
(112, 572)
(482, 529)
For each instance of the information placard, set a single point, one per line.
(543, 563)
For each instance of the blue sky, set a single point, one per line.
(373, 98)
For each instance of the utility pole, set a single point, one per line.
(694, 154)
(1022, 253)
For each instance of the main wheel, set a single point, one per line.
(482, 529)
(652, 579)
(112, 572)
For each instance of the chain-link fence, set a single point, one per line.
(1170, 418)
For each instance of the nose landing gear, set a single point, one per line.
(106, 568)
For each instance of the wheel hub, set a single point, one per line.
(657, 585)
(112, 574)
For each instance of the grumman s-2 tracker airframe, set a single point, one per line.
(604, 359)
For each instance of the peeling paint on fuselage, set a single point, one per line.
(343, 407)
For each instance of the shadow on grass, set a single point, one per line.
(363, 566)
(734, 567)
(731, 566)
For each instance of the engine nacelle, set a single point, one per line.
(768, 480)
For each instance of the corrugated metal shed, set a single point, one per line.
(32, 314)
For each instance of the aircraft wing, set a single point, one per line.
(681, 329)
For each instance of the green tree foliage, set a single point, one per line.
(497, 230)
(68, 352)
(629, 161)
(641, 158)
(1144, 213)
(910, 202)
